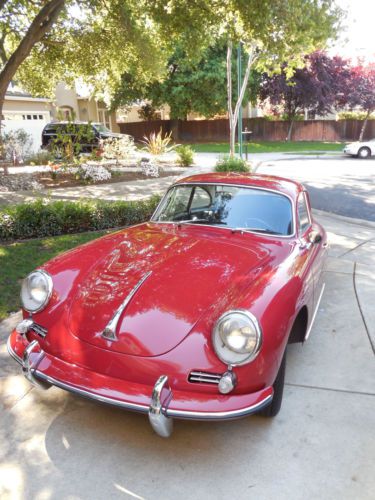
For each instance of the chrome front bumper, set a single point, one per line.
(159, 413)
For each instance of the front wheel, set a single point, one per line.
(278, 389)
(364, 153)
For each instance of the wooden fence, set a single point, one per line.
(262, 130)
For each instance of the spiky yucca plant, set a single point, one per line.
(156, 144)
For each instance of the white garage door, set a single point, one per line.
(32, 122)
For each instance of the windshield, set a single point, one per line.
(102, 128)
(233, 207)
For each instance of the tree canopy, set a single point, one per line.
(318, 86)
(189, 85)
(362, 92)
(95, 40)
(44, 41)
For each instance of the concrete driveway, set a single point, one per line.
(322, 444)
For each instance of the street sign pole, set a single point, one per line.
(239, 85)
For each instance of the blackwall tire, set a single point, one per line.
(278, 389)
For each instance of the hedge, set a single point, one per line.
(42, 218)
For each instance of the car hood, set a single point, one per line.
(168, 279)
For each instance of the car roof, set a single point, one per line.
(280, 184)
(52, 124)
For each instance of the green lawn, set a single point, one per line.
(271, 147)
(19, 258)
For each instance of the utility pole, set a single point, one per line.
(239, 85)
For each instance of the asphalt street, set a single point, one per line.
(337, 184)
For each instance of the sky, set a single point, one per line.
(358, 39)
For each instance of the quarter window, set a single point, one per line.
(303, 213)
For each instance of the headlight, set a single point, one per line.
(237, 337)
(36, 291)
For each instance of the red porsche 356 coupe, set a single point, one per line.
(187, 315)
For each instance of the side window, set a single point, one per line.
(201, 199)
(303, 213)
(177, 203)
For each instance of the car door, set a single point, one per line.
(311, 241)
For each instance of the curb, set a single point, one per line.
(348, 220)
(341, 218)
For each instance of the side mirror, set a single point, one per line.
(315, 237)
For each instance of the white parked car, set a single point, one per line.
(361, 149)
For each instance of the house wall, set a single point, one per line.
(65, 97)
(87, 110)
(25, 105)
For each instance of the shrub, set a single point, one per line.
(156, 144)
(16, 144)
(149, 169)
(355, 115)
(69, 139)
(185, 156)
(41, 218)
(39, 158)
(93, 173)
(118, 148)
(231, 164)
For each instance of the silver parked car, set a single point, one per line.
(361, 149)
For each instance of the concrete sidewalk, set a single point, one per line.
(321, 445)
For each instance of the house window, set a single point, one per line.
(104, 118)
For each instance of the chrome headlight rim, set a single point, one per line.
(49, 282)
(259, 337)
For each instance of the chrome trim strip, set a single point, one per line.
(293, 206)
(203, 380)
(204, 374)
(202, 415)
(315, 313)
(91, 395)
(12, 353)
(109, 332)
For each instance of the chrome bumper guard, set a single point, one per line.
(29, 366)
(160, 416)
(160, 399)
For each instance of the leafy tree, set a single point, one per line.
(270, 33)
(43, 42)
(318, 86)
(148, 113)
(362, 92)
(188, 85)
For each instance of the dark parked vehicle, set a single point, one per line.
(86, 135)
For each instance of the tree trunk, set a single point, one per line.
(232, 128)
(290, 130)
(233, 115)
(40, 25)
(363, 128)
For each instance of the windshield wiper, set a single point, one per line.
(191, 221)
(254, 230)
